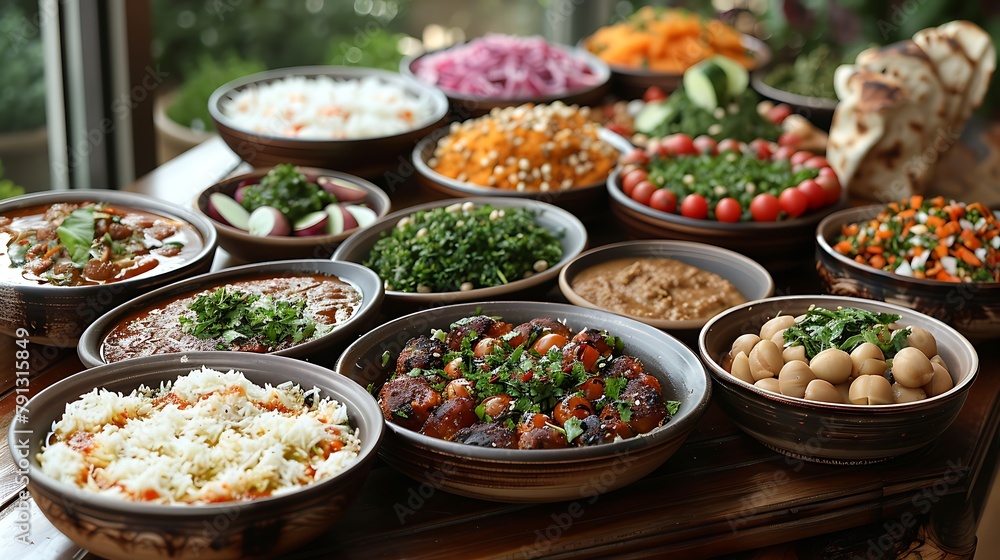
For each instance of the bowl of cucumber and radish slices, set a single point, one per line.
(289, 212)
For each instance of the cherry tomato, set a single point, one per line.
(654, 148)
(816, 162)
(706, 144)
(664, 201)
(679, 144)
(635, 156)
(632, 179)
(728, 210)
(730, 144)
(814, 192)
(788, 139)
(654, 93)
(761, 147)
(694, 206)
(642, 192)
(798, 158)
(793, 202)
(765, 207)
(782, 153)
(617, 128)
(831, 188)
(543, 344)
(779, 113)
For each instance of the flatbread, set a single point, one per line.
(954, 67)
(978, 47)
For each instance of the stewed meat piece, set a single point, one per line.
(625, 366)
(421, 352)
(537, 431)
(643, 397)
(493, 434)
(408, 401)
(482, 326)
(450, 417)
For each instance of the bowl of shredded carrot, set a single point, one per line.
(554, 153)
(937, 256)
(654, 46)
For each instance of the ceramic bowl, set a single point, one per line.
(573, 240)
(320, 350)
(58, 315)
(828, 432)
(817, 110)
(971, 308)
(464, 105)
(541, 475)
(264, 528)
(748, 277)
(252, 248)
(366, 157)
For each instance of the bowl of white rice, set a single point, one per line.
(356, 120)
(140, 458)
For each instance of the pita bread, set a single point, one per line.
(978, 47)
(954, 67)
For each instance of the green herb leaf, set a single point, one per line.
(77, 234)
(845, 329)
(230, 315)
(288, 190)
(673, 407)
(573, 428)
(613, 387)
(385, 358)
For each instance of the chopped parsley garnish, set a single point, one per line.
(288, 190)
(846, 329)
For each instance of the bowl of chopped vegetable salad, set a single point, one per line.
(938, 256)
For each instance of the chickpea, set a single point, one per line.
(768, 384)
(902, 394)
(922, 340)
(832, 365)
(822, 391)
(866, 359)
(741, 368)
(912, 368)
(794, 354)
(941, 381)
(744, 344)
(793, 378)
(937, 359)
(779, 323)
(765, 360)
(779, 338)
(845, 391)
(871, 389)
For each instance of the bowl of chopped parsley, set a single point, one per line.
(467, 249)
(831, 430)
(581, 392)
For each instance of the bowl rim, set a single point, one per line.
(720, 374)
(871, 211)
(678, 423)
(737, 260)
(761, 55)
(79, 495)
(814, 217)
(600, 69)
(820, 103)
(209, 236)
(572, 223)
(615, 140)
(291, 240)
(439, 103)
(92, 340)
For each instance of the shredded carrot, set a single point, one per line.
(877, 261)
(843, 247)
(884, 234)
(916, 201)
(934, 221)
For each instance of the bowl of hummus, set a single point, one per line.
(671, 285)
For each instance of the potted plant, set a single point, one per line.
(23, 138)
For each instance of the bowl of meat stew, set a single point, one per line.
(68, 257)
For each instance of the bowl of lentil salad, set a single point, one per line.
(471, 249)
(945, 264)
(553, 153)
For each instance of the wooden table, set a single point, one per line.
(721, 494)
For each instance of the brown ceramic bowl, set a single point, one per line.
(57, 315)
(322, 349)
(825, 432)
(573, 240)
(748, 277)
(971, 308)
(632, 83)
(252, 248)
(366, 157)
(776, 245)
(466, 105)
(264, 528)
(540, 475)
(817, 110)
(587, 202)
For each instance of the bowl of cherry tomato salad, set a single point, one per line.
(934, 255)
(525, 401)
(761, 199)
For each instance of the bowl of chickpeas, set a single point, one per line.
(837, 380)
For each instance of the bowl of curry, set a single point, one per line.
(68, 257)
(303, 309)
(671, 285)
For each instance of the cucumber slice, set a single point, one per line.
(653, 116)
(737, 77)
(706, 84)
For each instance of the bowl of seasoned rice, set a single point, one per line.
(357, 120)
(136, 459)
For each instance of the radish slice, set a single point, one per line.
(344, 191)
(240, 193)
(311, 224)
(268, 221)
(225, 210)
(350, 222)
(335, 224)
(365, 216)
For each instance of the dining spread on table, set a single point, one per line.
(201, 395)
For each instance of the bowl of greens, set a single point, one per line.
(805, 84)
(469, 249)
(289, 212)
